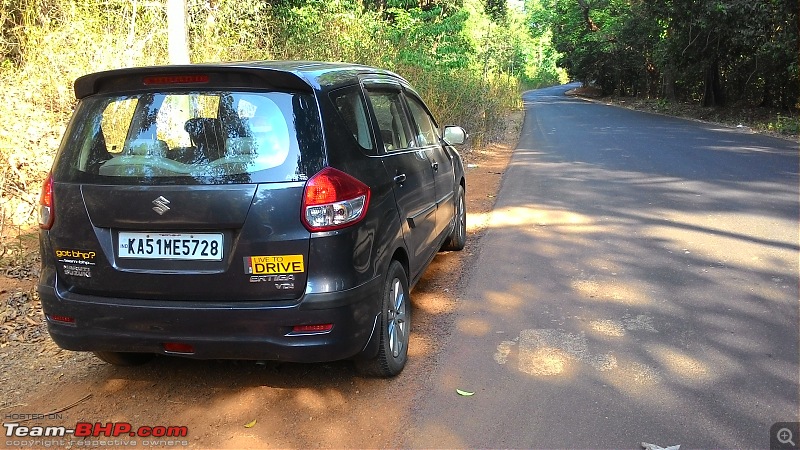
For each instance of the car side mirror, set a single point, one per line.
(454, 135)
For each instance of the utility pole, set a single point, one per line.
(177, 32)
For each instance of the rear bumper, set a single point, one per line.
(221, 330)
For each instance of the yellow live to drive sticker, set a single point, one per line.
(267, 265)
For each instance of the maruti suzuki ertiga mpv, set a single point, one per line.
(258, 210)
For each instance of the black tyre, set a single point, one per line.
(458, 237)
(124, 359)
(395, 327)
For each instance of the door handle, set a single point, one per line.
(400, 178)
(435, 166)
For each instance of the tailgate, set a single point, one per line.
(234, 242)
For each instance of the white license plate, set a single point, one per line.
(184, 246)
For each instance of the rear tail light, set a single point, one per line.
(333, 200)
(46, 204)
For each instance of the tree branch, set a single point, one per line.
(590, 25)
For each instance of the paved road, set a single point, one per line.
(638, 283)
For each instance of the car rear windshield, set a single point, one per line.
(209, 137)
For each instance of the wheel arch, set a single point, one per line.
(400, 255)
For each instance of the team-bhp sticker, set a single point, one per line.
(84, 258)
(273, 265)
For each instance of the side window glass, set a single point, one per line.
(350, 106)
(425, 129)
(392, 120)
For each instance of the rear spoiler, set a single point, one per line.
(192, 76)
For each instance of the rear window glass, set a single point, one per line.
(193, 137)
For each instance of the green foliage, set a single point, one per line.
(710, 51)
(542, 58)
(497, 10)
(327, 31)
(784, 125)
(430, 38)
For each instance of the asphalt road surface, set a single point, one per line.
(638, 283)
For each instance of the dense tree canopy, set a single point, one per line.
(712, 51)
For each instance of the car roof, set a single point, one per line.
(300, 75)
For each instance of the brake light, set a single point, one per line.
(46, 204)
(175, 79)
(333, 200)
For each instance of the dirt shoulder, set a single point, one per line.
(240, 404)
(746, 119)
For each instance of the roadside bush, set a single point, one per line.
(54, 43)
(46, 44)
(464, 98)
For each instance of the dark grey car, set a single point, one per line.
(259, 210)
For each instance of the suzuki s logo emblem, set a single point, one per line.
(161, 205)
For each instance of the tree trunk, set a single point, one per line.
(767, 99)
(177, 32)
(131, 34)
(590, 25)
(713, 93)
(668, 88)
